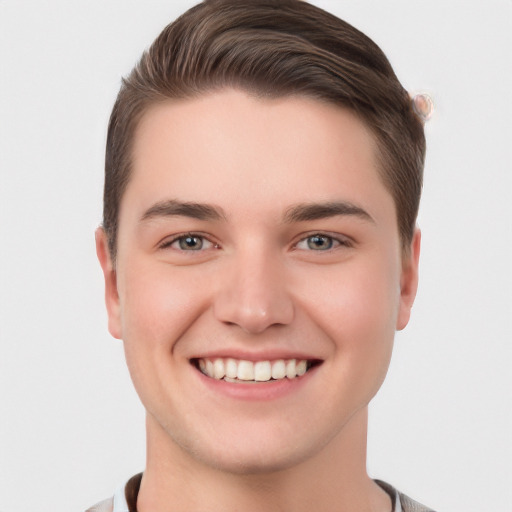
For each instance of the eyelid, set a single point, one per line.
(339, 240)
(167, 242)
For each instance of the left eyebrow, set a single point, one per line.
(316, 211)
(173, 208)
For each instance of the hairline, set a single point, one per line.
(259, 93)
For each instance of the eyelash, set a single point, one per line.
(169, 242)
(335, 241)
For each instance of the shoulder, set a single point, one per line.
(102, 506)
(402, 502)
(409, 505)
(124, 499)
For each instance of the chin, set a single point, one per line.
(253, 452)
(253, 462)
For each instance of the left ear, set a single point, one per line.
(110, 276)
(409, 281)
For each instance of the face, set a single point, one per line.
(259, 277)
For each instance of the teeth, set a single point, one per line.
(245, 370)
(291, 369)
(279, 370)
(210, 370)
(233, 370)
(262, 371)
(301, 368)
(218, 369)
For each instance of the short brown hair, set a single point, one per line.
(271, 48)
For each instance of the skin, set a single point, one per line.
(259, 288)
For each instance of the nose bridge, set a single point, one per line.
(252, 290)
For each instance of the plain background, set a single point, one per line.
(72, 428)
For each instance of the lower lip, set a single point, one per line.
(257, 391)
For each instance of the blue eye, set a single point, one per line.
(319, 242)
(188, 242)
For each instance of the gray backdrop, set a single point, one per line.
(71, 426)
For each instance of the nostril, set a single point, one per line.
(253, 300)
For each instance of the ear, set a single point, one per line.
(109, 274)
(409, 281)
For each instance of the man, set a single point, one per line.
(259, 249)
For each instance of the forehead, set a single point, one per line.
(234, 148)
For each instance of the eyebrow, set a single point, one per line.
(174, 208)
(298, 213)
(315, 211)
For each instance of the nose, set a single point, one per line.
(252, 293)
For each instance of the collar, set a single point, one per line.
(120, 504)
(125, 498)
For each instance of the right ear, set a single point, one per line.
(109, 274)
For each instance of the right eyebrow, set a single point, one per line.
(174, 208)
(315, 211)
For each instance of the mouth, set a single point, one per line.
(246, 372)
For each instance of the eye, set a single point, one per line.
(320, 242)
(188, 242)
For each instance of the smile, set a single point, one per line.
(239, 370)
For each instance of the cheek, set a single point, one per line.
(358, 310)
(362, 296)
(157, 308)
(158, 305)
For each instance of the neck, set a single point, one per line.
(332, 480)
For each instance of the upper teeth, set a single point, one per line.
(260, 371)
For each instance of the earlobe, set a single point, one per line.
(409, 281)
(109, 274)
